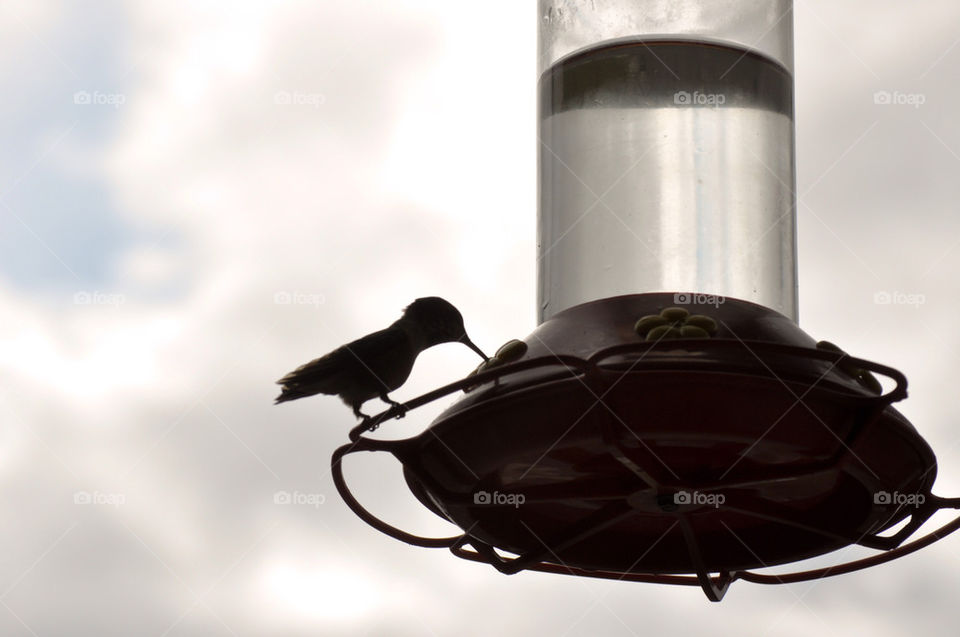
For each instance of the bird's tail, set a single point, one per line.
(317, 376)
(289, 394)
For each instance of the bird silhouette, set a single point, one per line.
(379, 362)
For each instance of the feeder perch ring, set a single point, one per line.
(685, 461)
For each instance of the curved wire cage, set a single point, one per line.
(624, 497)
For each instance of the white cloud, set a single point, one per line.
(22, 23)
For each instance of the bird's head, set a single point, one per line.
(440, 322)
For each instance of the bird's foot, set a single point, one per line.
(398, 410)
(365, 423)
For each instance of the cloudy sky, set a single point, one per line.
(175, 236)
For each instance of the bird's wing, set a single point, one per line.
(336, 372)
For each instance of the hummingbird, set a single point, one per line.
(379, 362)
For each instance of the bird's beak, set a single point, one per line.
(466, 341)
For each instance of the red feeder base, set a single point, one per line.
(609, 453)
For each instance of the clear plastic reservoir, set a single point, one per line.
(666, 151)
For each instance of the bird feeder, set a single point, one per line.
(668, 421)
